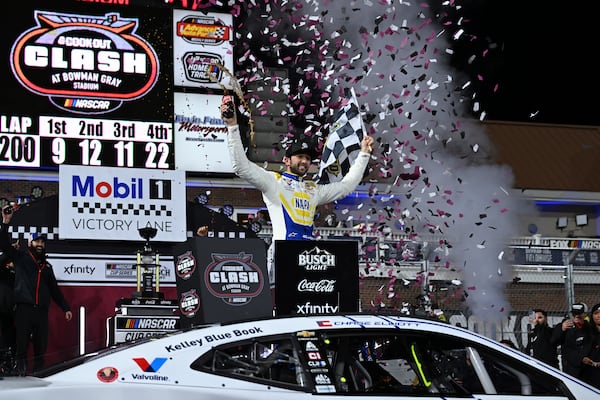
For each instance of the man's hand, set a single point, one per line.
(366, 145)
(68, 315)
(202, 231)
(228, 110)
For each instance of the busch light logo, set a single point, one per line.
(234, 278)
(316, 260)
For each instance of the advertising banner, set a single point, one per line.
(221, 280)
(200, 134)
(202, 44)
(114, 203)
(316, 277)
(92, 83)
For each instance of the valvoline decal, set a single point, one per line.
(85, 63)
(86, 187)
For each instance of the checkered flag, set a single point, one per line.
(343, 143)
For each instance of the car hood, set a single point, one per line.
(14, 382)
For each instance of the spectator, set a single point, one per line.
(261, 218)
(291, 200)
(7, 305)
(539, 340)
(574, 337)
(35, 287)
(591, 363)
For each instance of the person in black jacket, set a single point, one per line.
(539, 343)
(574, 337)
(591, 362)
(7, 308)
(35, 286)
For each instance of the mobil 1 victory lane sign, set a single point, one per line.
(114, 203)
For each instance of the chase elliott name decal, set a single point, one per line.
(234, 278)
(84, 63)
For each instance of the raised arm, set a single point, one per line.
(262, 179)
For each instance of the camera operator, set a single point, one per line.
(574, 337)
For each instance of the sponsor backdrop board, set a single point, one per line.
(92, 83)
(200, 134)
(202, 44)
(316, 277)
(114, 203)
(220, 280)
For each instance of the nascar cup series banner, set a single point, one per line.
(114, 203)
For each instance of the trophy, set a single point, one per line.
(236, 88)
(148, 268)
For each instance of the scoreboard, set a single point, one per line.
(93, 83)
(51, 141)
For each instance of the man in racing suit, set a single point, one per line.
(291, 200)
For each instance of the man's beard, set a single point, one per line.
(39, 252)
(295, 171)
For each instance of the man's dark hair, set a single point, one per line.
(544, 313)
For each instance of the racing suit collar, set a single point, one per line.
(293, 176)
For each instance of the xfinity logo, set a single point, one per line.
(83, 270)
(308, 308)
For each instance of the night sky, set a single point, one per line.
(544, 65)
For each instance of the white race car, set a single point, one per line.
(332, 356)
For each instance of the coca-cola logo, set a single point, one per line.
(322, 286)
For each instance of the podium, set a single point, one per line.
(316, 277)
(221, 280)
(147, 313)
(141, 318)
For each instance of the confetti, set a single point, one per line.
(429, 158)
